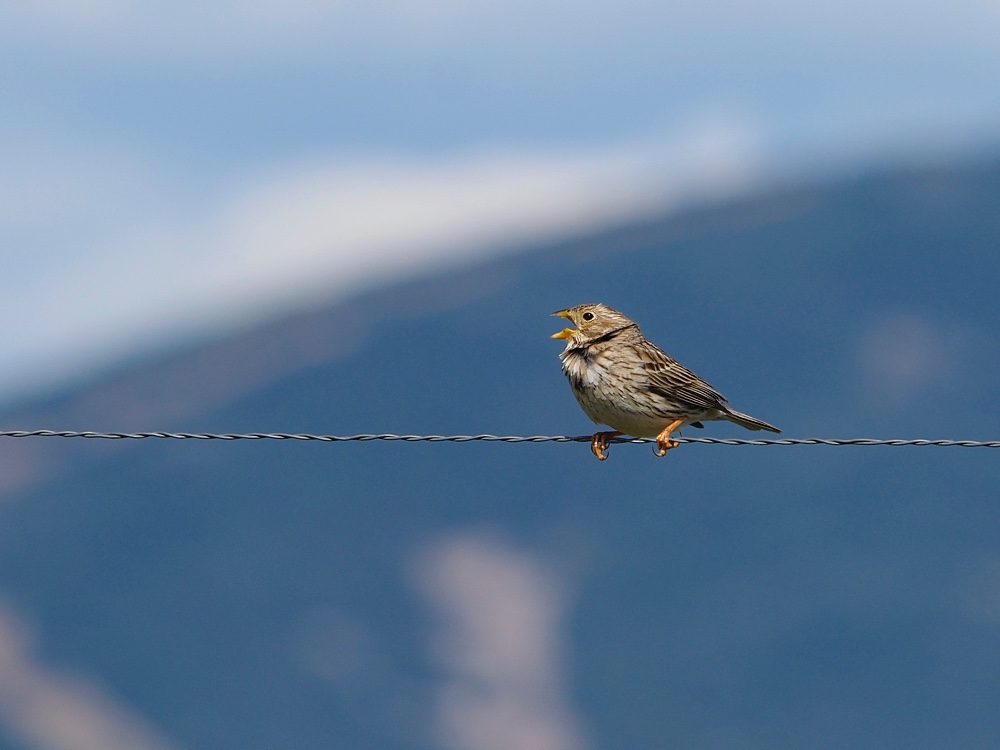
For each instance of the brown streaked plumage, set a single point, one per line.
(631, 385)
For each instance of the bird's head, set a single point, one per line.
(592, 321)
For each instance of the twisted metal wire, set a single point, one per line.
(482, 438)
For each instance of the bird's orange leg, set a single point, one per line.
(663, 441)
(600, 443)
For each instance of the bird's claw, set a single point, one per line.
(662, 446)
(663, 441)
(600, 442)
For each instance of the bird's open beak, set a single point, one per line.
(565, 333)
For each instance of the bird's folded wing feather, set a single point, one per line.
(673, 381)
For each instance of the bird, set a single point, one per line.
(624, 381)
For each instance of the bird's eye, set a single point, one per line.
(588, 316)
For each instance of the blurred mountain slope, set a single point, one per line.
(720, 597)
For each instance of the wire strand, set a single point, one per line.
(483, 438)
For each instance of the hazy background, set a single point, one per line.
(356, 217)
(168, 169)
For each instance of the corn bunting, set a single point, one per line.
(630, 384)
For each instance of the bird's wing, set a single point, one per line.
(671, 380)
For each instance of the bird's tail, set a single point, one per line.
(751, 423)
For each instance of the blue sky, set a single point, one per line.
(169, 169)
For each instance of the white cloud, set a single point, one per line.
(500, 644)
(46, 709)
(111, 245)
(135, 265)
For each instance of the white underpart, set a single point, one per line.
(599, 379)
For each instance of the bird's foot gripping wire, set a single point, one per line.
(600, 443)
(663, 441)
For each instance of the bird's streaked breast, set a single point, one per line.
(583, 368)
